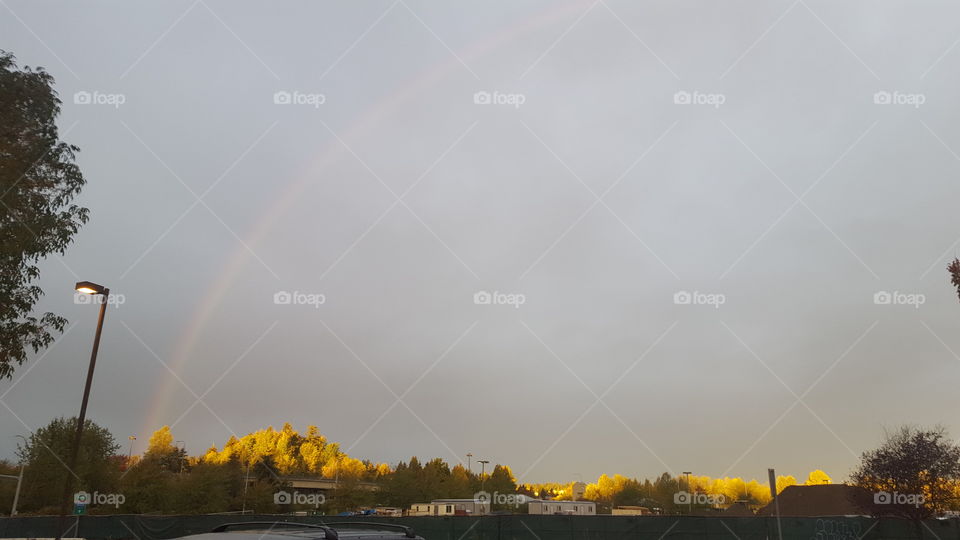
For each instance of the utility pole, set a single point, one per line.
(16, 495)
(772, 477)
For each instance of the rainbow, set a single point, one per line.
(159, 412)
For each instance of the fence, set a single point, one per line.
(515, 527)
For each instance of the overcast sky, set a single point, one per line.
(716, 233)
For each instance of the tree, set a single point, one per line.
(783, 482)
(160, 448)
(45, 455)
(38, 182)
(8, 487)
(954, 269)
(817, 477)
(501, 482)
(207, 489)
(912, 474)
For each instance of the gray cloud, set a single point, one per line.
(497, 197)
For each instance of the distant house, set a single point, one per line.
(450, 507)
(419, 509)
(570, 508)
(820, 500)
(738, 509)
(631, 511)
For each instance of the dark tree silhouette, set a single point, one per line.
(38, 181)
(954, 269)
(45, 454)
(912, 473)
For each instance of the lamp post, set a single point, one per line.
(469, 464)
(130, 452)
(483, 466)
(689, 490)
(83, 287)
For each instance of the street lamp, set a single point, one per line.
(130, 452)
(483, 465)
(689, 490)
(469, 464)
(83, 287)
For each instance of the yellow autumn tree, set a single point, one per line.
(345, 469)
(161, 442)
(818, 477)
(287, 450)
(783, 482)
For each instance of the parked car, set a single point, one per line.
(285, 530)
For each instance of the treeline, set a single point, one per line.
(617, 490)
(245, 475)
(247, 472)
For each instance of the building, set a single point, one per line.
(820, 500)
(569, 508)
(631, 511)
(738, 509)
(419, 509)
(450, 507)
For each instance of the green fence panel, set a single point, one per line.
(514, 527)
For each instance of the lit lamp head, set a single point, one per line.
(89, 287)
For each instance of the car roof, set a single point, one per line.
(287, 531)
(307, 534)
